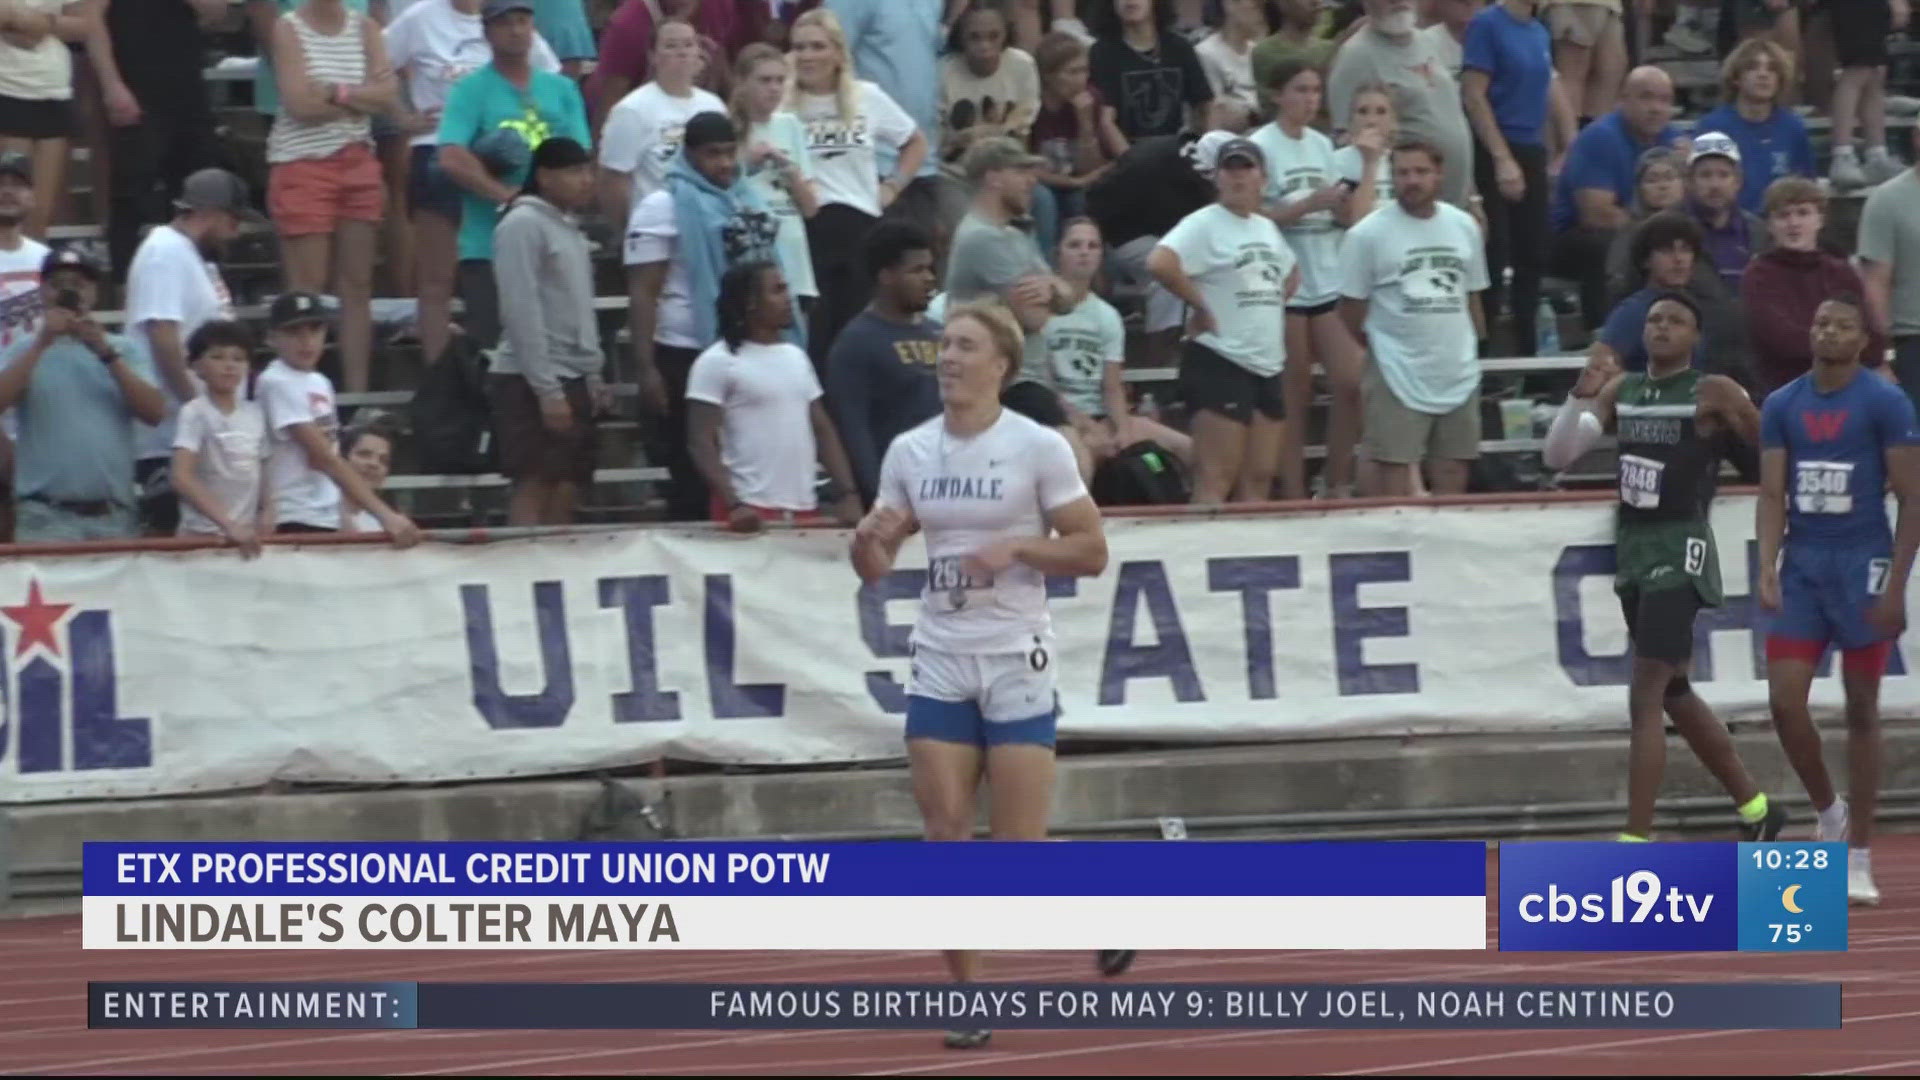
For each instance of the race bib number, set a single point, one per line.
(1823, 487)
(949, 586)
(1640, 481)
(1878, 571)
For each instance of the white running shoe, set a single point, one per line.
(1860, 886)
(1688, 39)
(1836, 835)
(1882, 166)
(1846, 173)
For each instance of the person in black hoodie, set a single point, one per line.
(1142, 196)
(880, 373)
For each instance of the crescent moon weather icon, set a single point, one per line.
(1787, 901)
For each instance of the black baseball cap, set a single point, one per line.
(297, 309)
(15, 163)
(1245, 151)
(708, 127)
(69, 259)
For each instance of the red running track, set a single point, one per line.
(43, 975)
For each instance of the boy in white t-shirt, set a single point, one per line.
(305, 472)
(220, 442)
(756, 425)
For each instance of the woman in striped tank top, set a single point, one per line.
(325, 192)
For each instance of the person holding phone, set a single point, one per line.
(76, 390)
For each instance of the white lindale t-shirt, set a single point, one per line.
(230, 449)
(1416, 275)
(435, 45)
(1296, 169)
(1350, 164)
(1072, 351)
(653, 235)
(644, 130)
(968, 493)
(845, 167)
(766, 395)
(169, 281)
(300, 492)
(1240, 265)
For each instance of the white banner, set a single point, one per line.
(155, 673)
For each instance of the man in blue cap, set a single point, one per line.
(493, 121)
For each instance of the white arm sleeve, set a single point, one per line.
(1575, 432)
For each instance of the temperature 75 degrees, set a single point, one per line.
(1790, 931)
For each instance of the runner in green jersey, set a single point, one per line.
(1674, 425)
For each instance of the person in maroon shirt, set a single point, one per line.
(628, 40)
(1075, 130)
(1786, 284)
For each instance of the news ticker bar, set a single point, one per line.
(385, 1006)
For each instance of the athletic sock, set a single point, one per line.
(1833, 818)
(1629, 838)
(1860, 860)
(1754, 809)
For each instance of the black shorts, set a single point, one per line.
(1860, 32)
(24, 118)
(1215, 384)
(1660, 623)
(529, 450)
(1035, 401)
(430, 189)
(1312, 310)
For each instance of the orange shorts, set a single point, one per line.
(309, 198)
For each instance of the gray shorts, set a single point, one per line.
(1397, 434)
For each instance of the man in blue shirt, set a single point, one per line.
(493, 120)
(1830, 442)
(77, 391)
(1591, 201)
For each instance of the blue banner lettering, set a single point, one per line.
(1353, 624)
(1170, 659)
(731, 700)
(548, 708)
(636, 597)
(102, 738)
(1253, 577)
(1575, 564)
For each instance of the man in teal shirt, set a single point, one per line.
(492, 121)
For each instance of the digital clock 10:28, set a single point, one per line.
(1773, 858)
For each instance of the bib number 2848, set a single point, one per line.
(1640, 481)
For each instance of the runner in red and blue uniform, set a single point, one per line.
(1831, 440)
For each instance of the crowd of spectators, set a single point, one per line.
(1279, 197)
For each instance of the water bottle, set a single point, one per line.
(1547, 328)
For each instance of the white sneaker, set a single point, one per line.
(1882, 166)
(1860, 886)
(1836, 835)
(1846, 173)
(1688, 39)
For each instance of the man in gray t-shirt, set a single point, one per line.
(1427, 97)
(1890, 268)
(994, 254)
